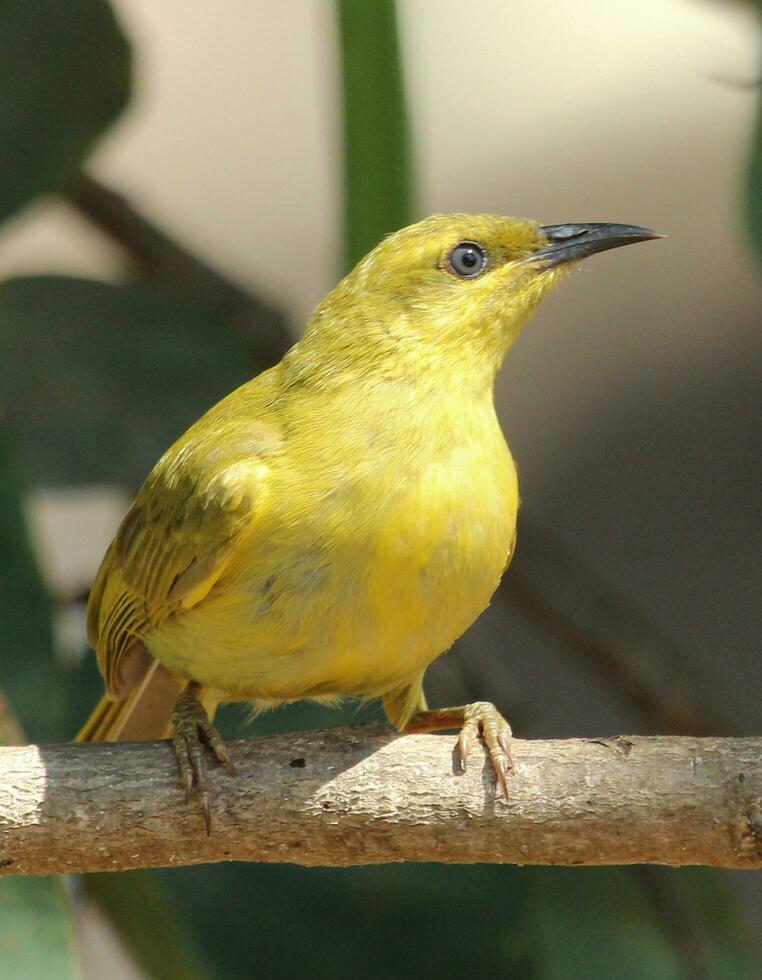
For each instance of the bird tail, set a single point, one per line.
(144, 713)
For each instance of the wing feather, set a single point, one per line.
(179, 536)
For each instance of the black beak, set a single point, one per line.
(568, 243)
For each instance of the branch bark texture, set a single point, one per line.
(350, 796)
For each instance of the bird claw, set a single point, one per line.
(193, 730)
(464, 745)
(482, 719)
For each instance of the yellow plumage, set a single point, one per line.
(332, 526)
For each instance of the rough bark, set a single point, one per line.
(366, 795)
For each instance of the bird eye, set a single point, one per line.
(467, 260)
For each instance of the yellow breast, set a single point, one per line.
(354, 584)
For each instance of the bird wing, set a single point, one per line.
(177, 539)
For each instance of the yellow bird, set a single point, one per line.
(335, 524)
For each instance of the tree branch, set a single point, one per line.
(366, 795)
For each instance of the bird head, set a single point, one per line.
(456, 288)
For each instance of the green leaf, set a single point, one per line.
(400, 920)
(96, 380)
(36, 930)
(377, 158)
(64, 76)
(38, 688)
(753, 184)
(754, 195)
(630, 923)
(595, 922)
(147, 916)
(718, 933)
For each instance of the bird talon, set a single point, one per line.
(221, 753)
(206, 808)
(503, 742)
(193, 731)
(464, 745)
(496, 735)
(479, 720)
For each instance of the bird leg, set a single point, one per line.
(481, 718)
(192, 729)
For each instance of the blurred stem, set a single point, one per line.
(165, 261)
(753, 183)
(378, 179)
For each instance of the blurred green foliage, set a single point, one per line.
(753, 188)
(36, 927)
(381, 922)
(95, 381)
(25, 608)
(98, 379)
(716, 933)
(47, 696)
(147, 913)
(36, 931)
(632, 924)
(752, 201)
(378, 188)
(64, 76)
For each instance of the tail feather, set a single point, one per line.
(144, 713)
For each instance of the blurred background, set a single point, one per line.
(180, 183)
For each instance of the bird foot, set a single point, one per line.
(193, 730)
(483, 719)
